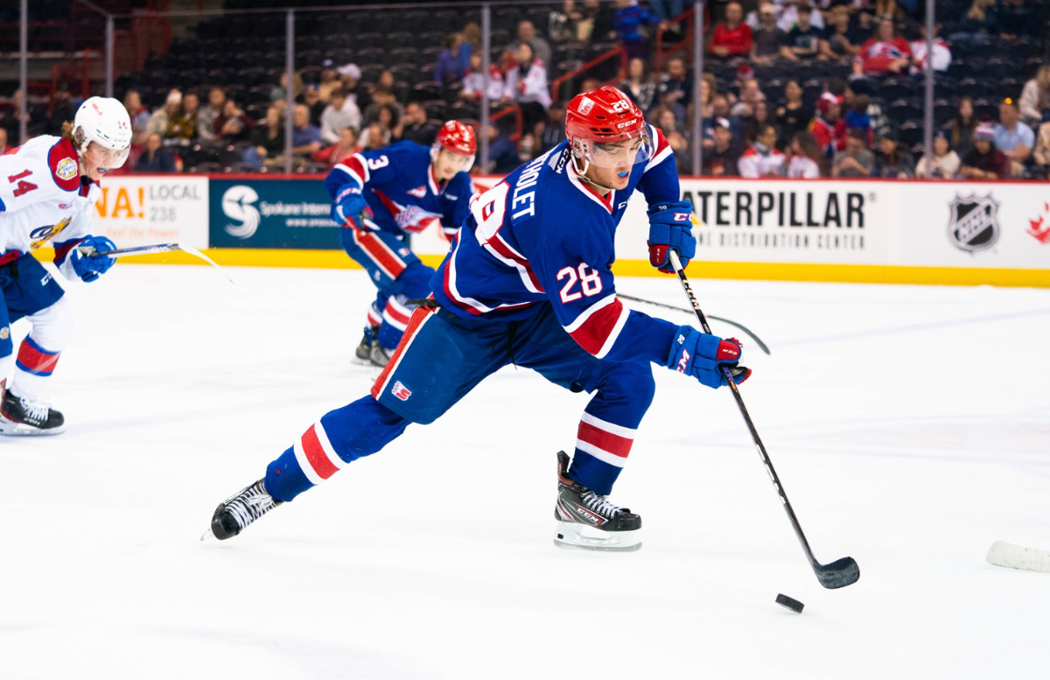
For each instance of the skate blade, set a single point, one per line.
(10, 428)
(572, 536)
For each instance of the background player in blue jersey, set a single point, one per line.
(528, 282)
(380, 197)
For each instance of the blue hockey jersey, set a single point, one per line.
(544, 236)
(399, 186)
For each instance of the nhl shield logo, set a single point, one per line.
(974, 222)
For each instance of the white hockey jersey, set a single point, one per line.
(44, 200)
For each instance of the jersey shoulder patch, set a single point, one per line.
(65, 168)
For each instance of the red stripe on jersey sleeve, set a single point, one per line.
(358, 168)
(595, 331)
(661, 142)
(65, 169)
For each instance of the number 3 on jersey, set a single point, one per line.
(589, 279)
(23, 186)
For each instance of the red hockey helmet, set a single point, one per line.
(597, 122)
(458, 138)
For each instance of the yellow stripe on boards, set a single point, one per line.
(759, 271)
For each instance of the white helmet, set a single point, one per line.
(105, 121)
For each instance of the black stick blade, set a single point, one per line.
(838, 574)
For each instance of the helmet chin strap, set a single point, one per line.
(585, 178)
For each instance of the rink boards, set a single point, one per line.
(890, 231)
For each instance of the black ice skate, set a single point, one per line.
(380, 355)
(21, 417)
(588, 521)
(363, 353)
(238, 511)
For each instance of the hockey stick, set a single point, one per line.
(149, 250)
(761, 345)
(841, 572)
(1003, 554)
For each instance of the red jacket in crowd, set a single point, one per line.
(879, 54)
(736, 40)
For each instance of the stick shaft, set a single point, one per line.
(676, 263)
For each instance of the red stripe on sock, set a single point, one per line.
(606, 441)
(316, 455)
(35, 360)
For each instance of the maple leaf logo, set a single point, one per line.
(1037, 229)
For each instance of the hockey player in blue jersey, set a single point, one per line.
(528, 282)
(381, 196)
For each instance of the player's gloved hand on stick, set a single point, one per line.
(87, 263)
(671, 228)
(349, 205)
(702, 356)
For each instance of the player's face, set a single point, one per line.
(449, 163)
(98, 159)
(611, 163)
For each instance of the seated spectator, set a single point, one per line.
(795, 115)
(720, 109)
(842, 42)
(306, 138)
(267, 141)
(828, 127)
(856, 160)
(414, 125)
(891, 161)
(708, 90)
(233, 125)
(206, 118)
(503, 152)
(807, 160)
(356, 91)
(733, 37)
(945, 164)
(526, 85)
(554, 131)
(721, 159)
(639, 86)
(666, 10)
(281, 92)
(312, 100)
(757, 120)
(139, 115)
(4, 148)
(788, 12)
(329, 81)
(182, 128)
(985, 161)
(382, 96)
(1012, 137)
(454, 60)
(750, 95)
(374, 136)
(802, 42)
(541, 49)
(160, 121)
(1035, 97)
(1016, 19)
(1042, 148)
(11, 119)
(675, 90)
(339, 152)
(885, 53)
(979, 22)
(762, 159)
(857, 117)
(767, 39)
(675, 136)
(155, 158)
(63, 110)
(340, 113)
(632, 28)
(474, 81)
(942, 54)
(960, 130)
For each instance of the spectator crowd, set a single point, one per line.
(789, 89)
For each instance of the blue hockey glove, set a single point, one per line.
(349, 205)
(671, 228)
(87, 264)
(702, 356)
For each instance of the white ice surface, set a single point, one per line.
(910, 426)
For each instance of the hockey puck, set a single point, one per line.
(790, 602)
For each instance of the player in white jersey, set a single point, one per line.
(48, 188)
